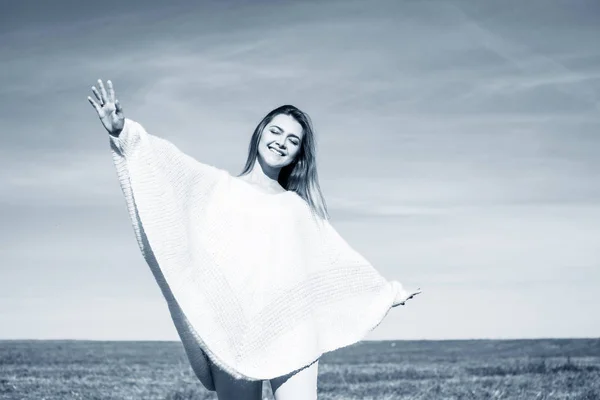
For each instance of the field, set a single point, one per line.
(470, 369)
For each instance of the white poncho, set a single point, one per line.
(252, 280)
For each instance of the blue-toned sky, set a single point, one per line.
(458, 149)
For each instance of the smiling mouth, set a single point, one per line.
(279, 153)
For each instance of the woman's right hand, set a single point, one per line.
(109, 110)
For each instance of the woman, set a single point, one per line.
(258, 282)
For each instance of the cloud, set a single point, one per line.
(538, 69)
(456, 150)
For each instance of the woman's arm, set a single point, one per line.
(130, 141)
(134, 142)
(165, 189)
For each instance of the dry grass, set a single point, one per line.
(521, 369)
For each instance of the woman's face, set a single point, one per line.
(280, 141)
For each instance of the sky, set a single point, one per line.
(457, 148)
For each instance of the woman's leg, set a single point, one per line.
(301, 385)
(229, 388)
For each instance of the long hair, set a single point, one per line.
(300, 175)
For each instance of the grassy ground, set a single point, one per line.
(516, 369)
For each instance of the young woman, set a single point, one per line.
(258, 283)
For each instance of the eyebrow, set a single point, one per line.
(291, 134)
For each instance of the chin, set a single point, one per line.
(268, 159)
(277, 165)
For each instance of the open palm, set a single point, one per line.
(109, 110)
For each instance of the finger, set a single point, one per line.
(111, 91)
(102, 91)
(96, 106)
(118, 107)
(97, 95)
(412, 295)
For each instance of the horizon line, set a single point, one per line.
(362, 341)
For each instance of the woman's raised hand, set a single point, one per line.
(109, 110)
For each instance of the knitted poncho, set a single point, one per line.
(252, 280)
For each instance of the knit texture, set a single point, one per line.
(253, 281)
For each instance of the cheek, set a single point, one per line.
(262, 141)
(262, 145)
(266, 137)
(294, 155)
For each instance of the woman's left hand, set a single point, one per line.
(402, 296)
(410, 296)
